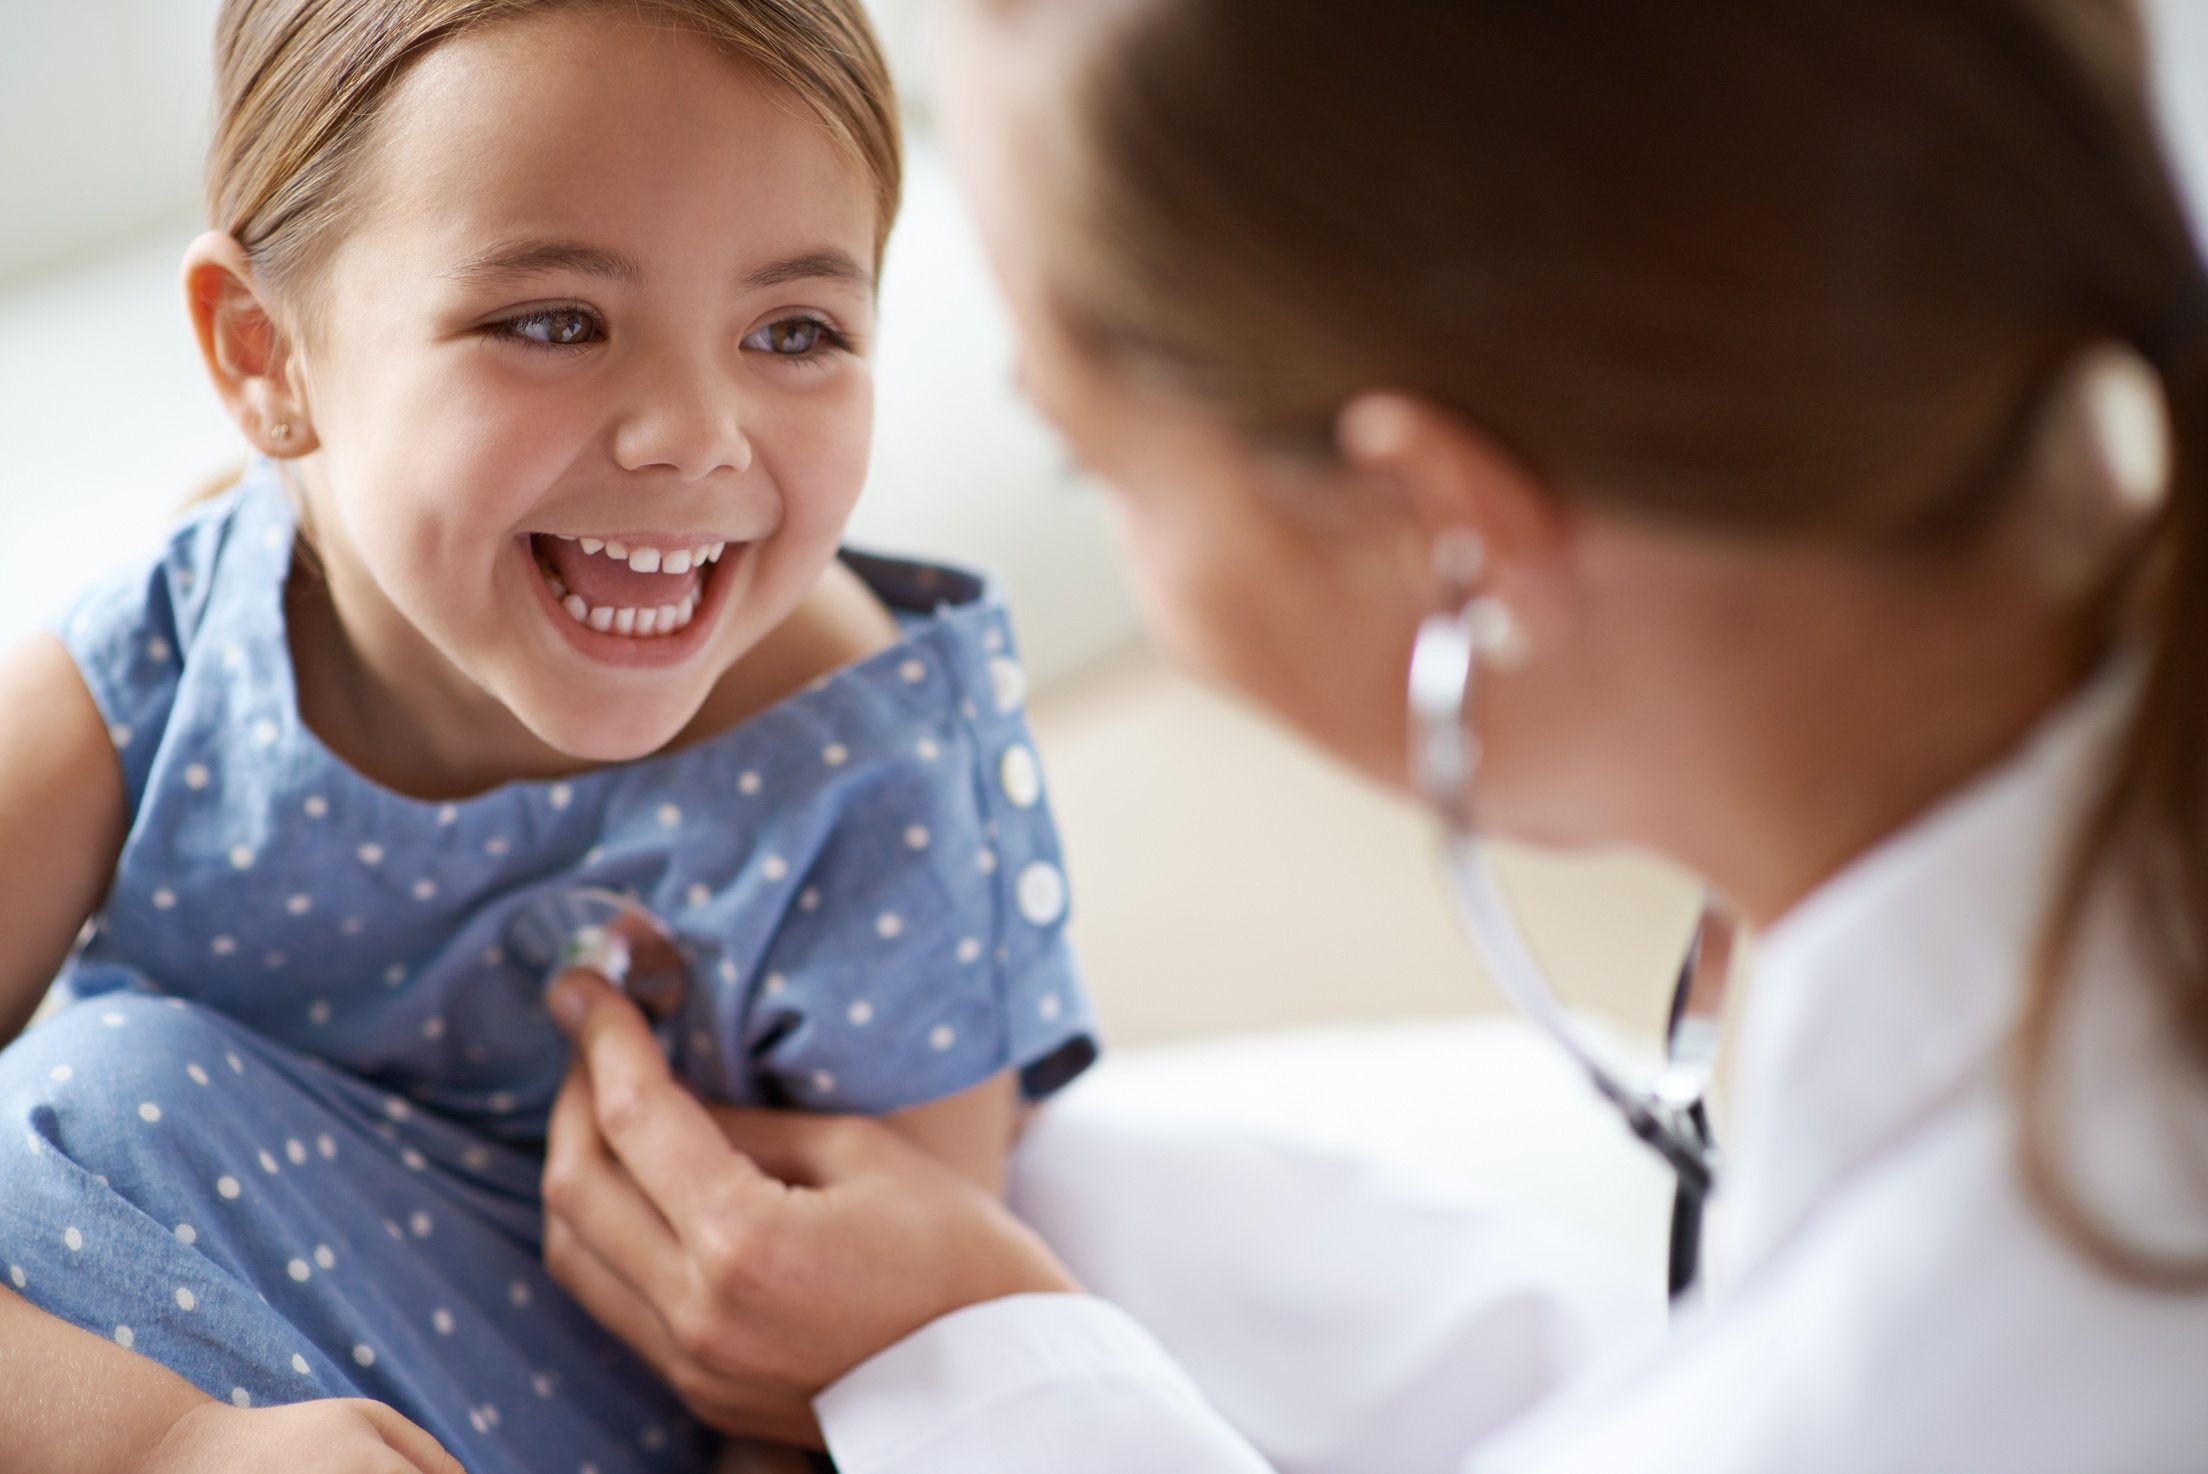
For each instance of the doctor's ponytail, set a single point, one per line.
(2150, 831)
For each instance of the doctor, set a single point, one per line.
(1817, 393)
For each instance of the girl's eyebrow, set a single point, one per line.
(539, 258)
(824, 264)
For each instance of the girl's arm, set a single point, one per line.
(971, 1132)
(62, 819)
(69, 1400)
(77, 1400)
(75, 1403)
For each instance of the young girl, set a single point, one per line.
(549, 324)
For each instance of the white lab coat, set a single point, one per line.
(1884, 1295)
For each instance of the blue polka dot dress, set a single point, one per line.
(286, 1138)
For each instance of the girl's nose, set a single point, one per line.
(690, 421)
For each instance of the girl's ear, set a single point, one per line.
(249, 360)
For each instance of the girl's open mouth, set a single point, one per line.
(620, 598)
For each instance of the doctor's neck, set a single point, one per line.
(1848, 697)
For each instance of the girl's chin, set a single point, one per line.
(576, 735)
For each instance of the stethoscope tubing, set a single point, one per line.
(1667, 1113)
(1669, 1117)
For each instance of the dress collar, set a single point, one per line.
(1899, 982)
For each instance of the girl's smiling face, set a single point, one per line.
(604, 291)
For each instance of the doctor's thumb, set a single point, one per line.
(573, 995)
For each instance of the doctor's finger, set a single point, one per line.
(595, 1198)
(611, 1300)
(661, 1132)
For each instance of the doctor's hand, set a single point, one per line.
(753, 1257)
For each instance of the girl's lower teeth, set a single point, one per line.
(667, 619)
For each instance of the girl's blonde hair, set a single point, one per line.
(298, 85)
(1789, 268)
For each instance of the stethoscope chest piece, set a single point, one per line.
(610, 934)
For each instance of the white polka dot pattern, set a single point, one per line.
(1008, 683)
(1021, 776)
(1042, 893)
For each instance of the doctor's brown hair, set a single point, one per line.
(1790, 268)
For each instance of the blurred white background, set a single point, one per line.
(1225, 879)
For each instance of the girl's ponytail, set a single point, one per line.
(2150, 833)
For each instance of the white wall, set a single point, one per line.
(104, 109)
(2181, 65)
(103, 118)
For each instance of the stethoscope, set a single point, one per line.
(1667, 1111)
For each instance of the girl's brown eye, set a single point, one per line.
(800, 339)
(798, 336)
(560, 327)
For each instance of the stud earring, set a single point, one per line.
(281, 430)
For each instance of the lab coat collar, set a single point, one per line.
(1897, 985)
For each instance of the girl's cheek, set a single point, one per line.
(826, 461)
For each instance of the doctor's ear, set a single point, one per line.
(250, 360)
(1452, 479)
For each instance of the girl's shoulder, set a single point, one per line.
(162, 595)
(136, 630)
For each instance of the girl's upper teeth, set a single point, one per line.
(651, 560)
